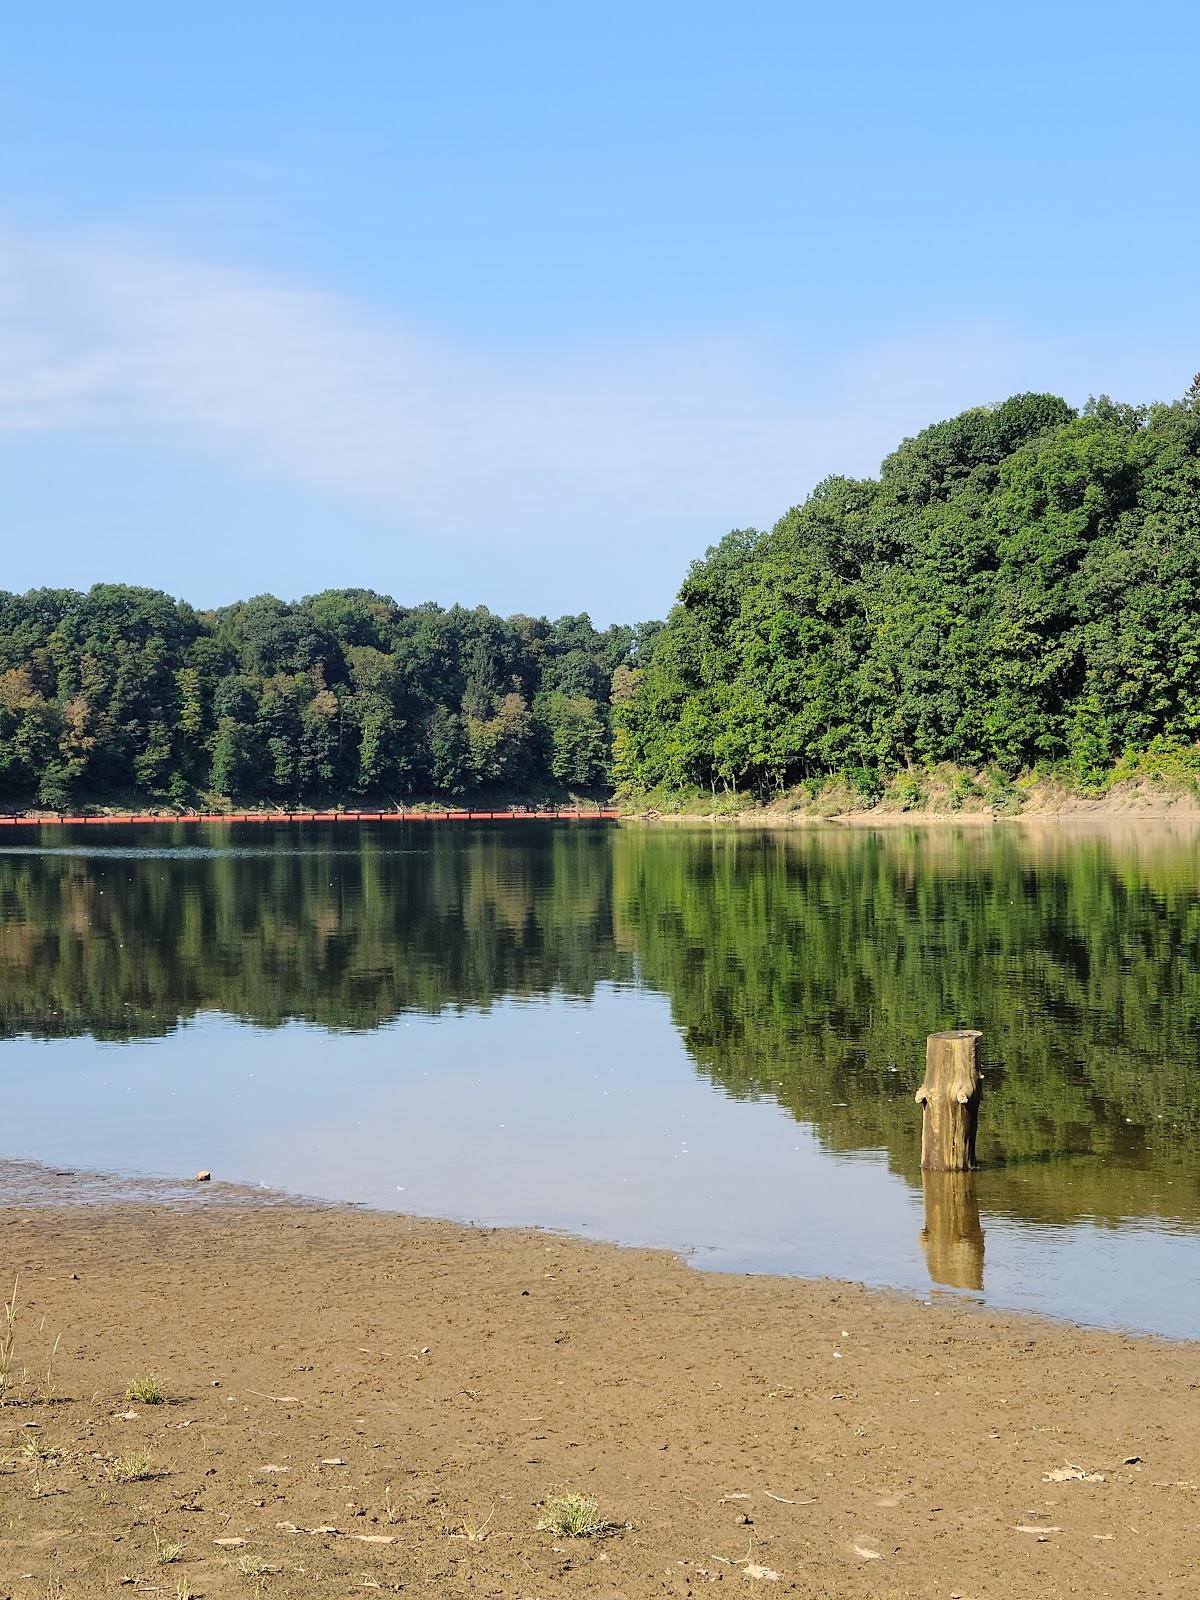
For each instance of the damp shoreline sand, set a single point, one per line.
(407, 1383)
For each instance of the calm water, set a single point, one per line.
(706, 1040)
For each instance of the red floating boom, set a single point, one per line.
(600, 815)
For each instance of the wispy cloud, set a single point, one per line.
(108, 333)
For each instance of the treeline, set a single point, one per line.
(125, 691)
(1019, 588)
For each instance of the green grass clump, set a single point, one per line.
(573, 1516)
(133, 1468)
(147, 1391)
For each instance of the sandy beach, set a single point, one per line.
(359, 1402)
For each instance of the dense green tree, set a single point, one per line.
(122, 692)
(1020, 586)
(578, 747)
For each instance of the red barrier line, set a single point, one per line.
(310, 816)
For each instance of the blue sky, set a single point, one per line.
(526, 304)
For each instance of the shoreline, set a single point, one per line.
(765, 819)
(423, 814)
(351, 1394)
(908, 819)
(28, 1184)
(1140, 799)
(34, 1186)
(1131, 803)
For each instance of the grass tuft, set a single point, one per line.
(20, 1388)
(133, 1468)
(166, 1554)
(254, 1567)
(475, 1532)
(39, 1450)
(8, 1343)
(47, 1385)
(147, 1391)
(573, 1516)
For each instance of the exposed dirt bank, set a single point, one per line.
(353, 1395)
(1141, 801)
(1029, 799)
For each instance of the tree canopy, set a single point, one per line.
(1020, 585)
(124, 690)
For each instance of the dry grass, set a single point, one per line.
(475, 1532)
(46, 1387)
(254, 1567)
(39, 1450)
(166, 1554)
(14, 1387)
(573, 1516)
(8, 1344)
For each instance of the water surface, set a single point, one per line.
(703, 1039)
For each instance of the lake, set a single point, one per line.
(706, 1039)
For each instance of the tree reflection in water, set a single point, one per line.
(805, 967)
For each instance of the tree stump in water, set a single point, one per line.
(949, 1100)
(952, 1236)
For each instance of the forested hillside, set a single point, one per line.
(1020, 587)
(123, 690)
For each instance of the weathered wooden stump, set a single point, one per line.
(953, 1236)
(949, 1100)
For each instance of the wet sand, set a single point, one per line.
(353, 1394)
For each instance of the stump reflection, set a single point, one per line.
(953, 1236)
